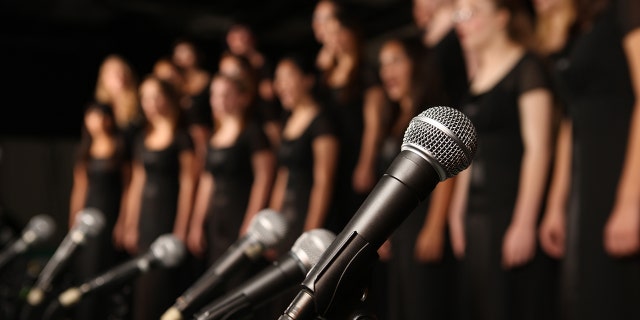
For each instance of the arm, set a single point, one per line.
(185, 196)
(325, 155)
(364, 176)
(119, 228)
(134, 198)
(279, 189)
(622, 232)
(430, 241)
(200, 136)
(78, 191)
(196, 240)
(551, 231)
(263, 171)
(457, 211)
(519, 242)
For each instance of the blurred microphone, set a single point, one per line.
(166, 251)
(438, 144)
(266, 230)
(89, 222)
(284, 274)
(38, 229)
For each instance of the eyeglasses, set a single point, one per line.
(467, 13)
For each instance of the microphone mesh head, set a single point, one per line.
(311, 245)
(42, 227)
(90, 221)
(168, 250)
(269, 227)
(445, 137)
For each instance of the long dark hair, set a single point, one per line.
(588, 12)
(84, 148)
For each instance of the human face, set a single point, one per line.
(166, 71)
(153, 100)
(95, 121)
(239, 40)
(184, 55)
(395, 70)
(290, 84)
(543, 7)
(115, 76)
(225, 97)
(323, 13)
(478, 22)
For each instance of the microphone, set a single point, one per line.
(166, 251)
(89, 222)
(280, 276)
(266, 230)
(438, 144)
(38, 229)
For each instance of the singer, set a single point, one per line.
(100, 175)
(237, 178)
(161, 193)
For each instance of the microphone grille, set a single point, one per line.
(311, 245)
(90, 221)
(42, 226)
(443, 136)
(269, 227)
(168, 250)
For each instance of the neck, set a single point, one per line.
(495, 51)
(552, 28)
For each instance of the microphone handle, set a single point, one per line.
(11, 251)
(260, 289)
(118, 275)
(57, 261)
(202, 291)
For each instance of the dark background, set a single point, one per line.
(52, 48)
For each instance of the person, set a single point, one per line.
(497, 202)
(269, 115)
(160, 194)
(592, 220)
(354, 100)
(100, 179)
(189, 60)
(241, 41)
(239, 174)
(307, 158)
(419, 259)
(117, 86)
(448, 61)
(195, 120)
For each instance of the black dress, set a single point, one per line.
(491, 292)
(297, 156)
(448, 64)
(595, 83)
(157, 289)
(105, 187)
(232, 170)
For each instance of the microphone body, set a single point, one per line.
(166, 251)
(266, 230)
(89, 223)
(438, 144)
(280, 276)
(39, 229)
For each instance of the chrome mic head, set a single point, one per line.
(39, 229)
(90, 221)
(268, 227)
(311, 245)
(168, 250)
(444, 137)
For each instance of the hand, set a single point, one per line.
(117, 235)
(384, 252)
(363, 179)
(518, 245)
(622, 231)
(456, 233)
(196, 242)
(130, 241)
(429, 245)
(552, 233)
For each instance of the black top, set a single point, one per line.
(297, 155)
(594, 81)
(232, 170)
(449, 65)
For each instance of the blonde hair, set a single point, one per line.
(125, 106)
